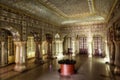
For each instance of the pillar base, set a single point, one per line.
(90, 55)
(20, 67)
(37, 61)
(117, 70)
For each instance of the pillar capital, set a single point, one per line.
(2, 42)
(20, 42)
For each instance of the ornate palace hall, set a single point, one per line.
(59, 40)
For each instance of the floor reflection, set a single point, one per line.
(87, 69)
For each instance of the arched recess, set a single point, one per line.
(7, 47)
(98, 45)
(30, 47)
(83, 47)
(58, 48)
(68, 45)
(47, 45)
(34, 44)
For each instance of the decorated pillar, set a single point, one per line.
(49, 49)
(38, 56)
(117, 57)
(61, 47)
(20, 56)
(54, 48)
(90, 49)
(77, 46)
(3, 53)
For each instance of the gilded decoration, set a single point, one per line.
(65, 11)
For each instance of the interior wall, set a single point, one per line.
(89, 31)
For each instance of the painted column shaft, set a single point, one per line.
(20, 57)
(3, 54)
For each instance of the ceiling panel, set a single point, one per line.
(65, 11)
(103, 7)
(70, 7)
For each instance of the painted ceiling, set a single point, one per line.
(66, 11)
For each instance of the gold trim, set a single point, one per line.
(85, 24)
(53, 8)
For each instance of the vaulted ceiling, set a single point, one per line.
(66, 11)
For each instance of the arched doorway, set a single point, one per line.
(49, 39)
(7, 55)
(67, 45)
(98, 46)
(83, 48)
(58, 49)
(47, 46)
(30, 47)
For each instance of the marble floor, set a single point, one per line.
(87, 69)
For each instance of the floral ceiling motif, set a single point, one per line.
(66, 11)
(70, 7)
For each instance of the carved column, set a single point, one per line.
(61, 47)
(2, 53)
(37, 39)
(54, 48)
(90, 49)
(77, 46)
(20, 56)
(117, 57)
(38, 56)
(49, 49)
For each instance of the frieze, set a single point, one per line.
(93, 29)
(18, 17)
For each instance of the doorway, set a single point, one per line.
(83, 45)
(98, 46)
(6, 48)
